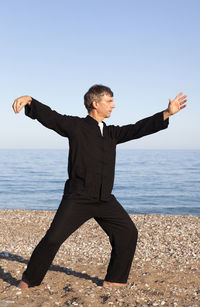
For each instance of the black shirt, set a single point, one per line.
(91, 160)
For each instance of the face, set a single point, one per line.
(104, 106)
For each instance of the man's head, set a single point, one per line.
(95, 94)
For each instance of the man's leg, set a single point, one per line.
(123, 234)
(69, 217)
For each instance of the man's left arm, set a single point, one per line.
(149, 125)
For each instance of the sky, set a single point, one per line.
(146, 51)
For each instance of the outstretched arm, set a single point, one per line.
(150, 124)
(175, 105)
(62, 124)
(21, 102)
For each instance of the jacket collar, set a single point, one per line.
(91, 121)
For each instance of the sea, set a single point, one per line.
(146, 181)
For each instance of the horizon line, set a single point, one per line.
(119, 148)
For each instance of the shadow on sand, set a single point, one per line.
(7, 277)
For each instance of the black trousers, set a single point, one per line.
(71, 214)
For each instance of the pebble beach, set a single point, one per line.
(165, 269)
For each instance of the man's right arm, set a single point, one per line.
(34, 109)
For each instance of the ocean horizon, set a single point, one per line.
(146, 181)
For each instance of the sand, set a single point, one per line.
(165, 270)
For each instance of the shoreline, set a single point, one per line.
(130, 213)
(165, 269)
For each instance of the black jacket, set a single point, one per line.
(91, 160)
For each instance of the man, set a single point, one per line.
(87, 192)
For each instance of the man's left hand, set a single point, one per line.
(175, 105)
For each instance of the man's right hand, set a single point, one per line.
(20, 103)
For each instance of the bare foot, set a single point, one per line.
(113, 284)
(23, 285)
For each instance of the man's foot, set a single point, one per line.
(113, 284)
(23, 285)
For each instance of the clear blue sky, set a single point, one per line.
(146, 51)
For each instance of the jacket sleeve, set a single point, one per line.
(62, 124)
(141, 128)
